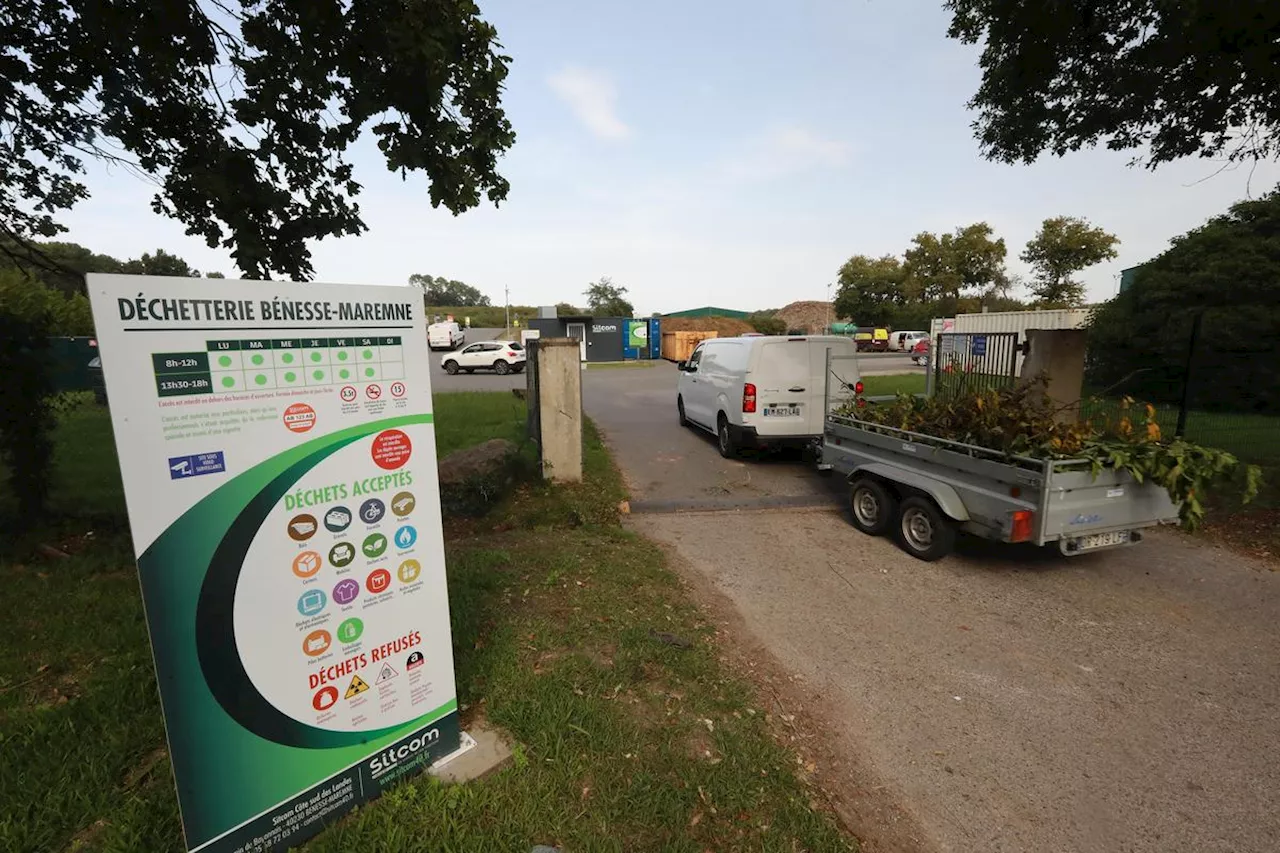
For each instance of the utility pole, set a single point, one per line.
(506, 292)
(828, 308)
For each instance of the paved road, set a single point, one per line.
(1007, 699)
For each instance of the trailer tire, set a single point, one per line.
(872, 506)
(923, 531)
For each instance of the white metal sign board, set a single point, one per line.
(278, 456)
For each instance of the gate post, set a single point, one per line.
(1058, 354)
(559, 383)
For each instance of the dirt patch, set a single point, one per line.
(727, 327)
(1255, 532)
(810, 317)
(801, 720)
(140, 771)
(87, 838)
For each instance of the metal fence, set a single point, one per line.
(1214, 385)
(963, 362)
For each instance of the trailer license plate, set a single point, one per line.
(782, 412)
(1104, 540)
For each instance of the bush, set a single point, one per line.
(767, 324)
(486, 316)
(26, 407)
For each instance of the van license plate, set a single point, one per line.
(782, 412)
(1104, 540)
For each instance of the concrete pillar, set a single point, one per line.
(560, 403)
(1056, 362)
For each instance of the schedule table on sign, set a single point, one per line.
(229, 366)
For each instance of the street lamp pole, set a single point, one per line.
(506, 292)
(828, 308)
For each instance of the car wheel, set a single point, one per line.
(451, 367)
(923, 531)
(684, 422)
(501, 368)
(872, 506)
(724, 438)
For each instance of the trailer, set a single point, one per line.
(926, 489)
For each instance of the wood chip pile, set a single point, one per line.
(810, 317)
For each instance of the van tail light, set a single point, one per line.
(748, 398)
(1021, 530)
(858, 386)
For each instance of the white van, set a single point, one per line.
(447, 335)
(760, 391)
(905, 341)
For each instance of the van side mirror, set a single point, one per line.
(682, 365)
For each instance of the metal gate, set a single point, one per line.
(964, 361)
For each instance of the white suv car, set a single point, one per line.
(499, 356)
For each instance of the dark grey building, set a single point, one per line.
(605, 338)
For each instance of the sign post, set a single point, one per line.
(278, 457)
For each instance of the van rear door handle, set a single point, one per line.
(796, 390)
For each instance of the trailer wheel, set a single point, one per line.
(872, 506)
(923, 531)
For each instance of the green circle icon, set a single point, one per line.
(374, 545)
(368, 371)
(350, 630)
(257, 358)
(368, 354)
(290, 376)
(318, 375)
(315, 356)
(224, 360)
(261, 379)
(342, 355)
(287, 358)
(228, 382)
(344, 373)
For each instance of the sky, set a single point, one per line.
(718, 153)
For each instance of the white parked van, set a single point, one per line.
(760, 391)
(445, 336)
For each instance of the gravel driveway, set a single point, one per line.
(1006, 698)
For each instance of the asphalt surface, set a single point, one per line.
(1008, 698)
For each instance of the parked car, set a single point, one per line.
(920, 352)
(905, 341)
(448, 335)
(872, 339)
(501, 357)
(758, 391)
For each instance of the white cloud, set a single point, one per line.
(593, 98)
(786, 150)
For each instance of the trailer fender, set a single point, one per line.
(943, 495)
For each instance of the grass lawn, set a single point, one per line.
(892, 384)
(563, 629)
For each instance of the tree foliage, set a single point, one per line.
(26, 390)
(869, 289)
(449, 292)
(606, 299)
(1062, 247)
(62, 266)
(1230, 269)
(1171, 78)
(766, 323)
(945, 267)
(242, 112)
(54, 312)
